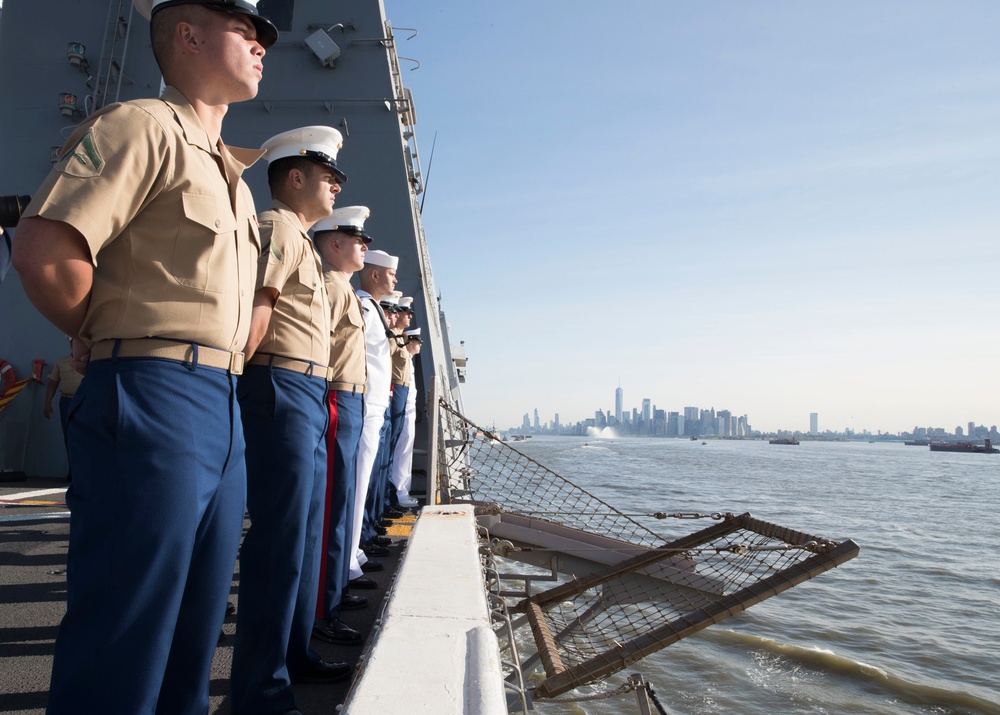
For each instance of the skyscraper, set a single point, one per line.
(647, 407)
(618, 404)
(813, 423)
(537, 425)
(691, 418)
(724, 423)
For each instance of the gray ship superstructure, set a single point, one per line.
(335, 63)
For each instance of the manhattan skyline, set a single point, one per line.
(648, 417)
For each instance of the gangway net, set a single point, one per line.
(624, 592)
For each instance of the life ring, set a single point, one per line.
(7, 372)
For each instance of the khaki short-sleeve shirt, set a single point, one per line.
(348, 356)
(400, 364)
(300, 323)
(64, 375)
(170, 224)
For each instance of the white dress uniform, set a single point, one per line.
(376, 402)
(402, 460)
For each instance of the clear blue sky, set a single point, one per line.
(774, 208)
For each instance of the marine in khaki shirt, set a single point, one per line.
(143, 242)
(400, 362)
(347, 331)
(299, 324)
(173, 240)
(342, 242)
(64, 378)
(283, 404)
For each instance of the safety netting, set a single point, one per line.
(641, 599)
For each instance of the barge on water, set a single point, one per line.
(985, 448)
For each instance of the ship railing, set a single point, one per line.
(517, 694)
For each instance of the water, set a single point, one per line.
(912, 625)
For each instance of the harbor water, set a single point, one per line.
(912, 625)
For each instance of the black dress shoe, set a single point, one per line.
(382, 541)
(370, 566)
(336, 631)
(380, 530)
(374, 549)
(394, 514)
(385, 523)
(350, 602)
(362, 582)
(323, 672)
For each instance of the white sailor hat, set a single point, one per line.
(406, 303)
(391, 301)
(316, 143)
(267, 33)
(413, 334)
(381, 258)
(348, 219)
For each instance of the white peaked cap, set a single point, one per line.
(406, 303)
(391, 299)
(267, 33)
(412, 331)
(349, 219)
(318, 143)
(381, 258)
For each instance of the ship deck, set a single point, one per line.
(34, 534)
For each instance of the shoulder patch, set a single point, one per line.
(83, 158)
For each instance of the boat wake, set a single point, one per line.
(773, 658)
(606, 433)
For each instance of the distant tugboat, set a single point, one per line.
(986, 448)
(783, 440)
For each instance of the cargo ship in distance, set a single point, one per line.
(985, 448)
(783, 440)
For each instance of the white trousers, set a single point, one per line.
(367, 452)
(402, 457)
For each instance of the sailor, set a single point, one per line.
(142, 245)
(341, 241)
(65, 380)
(397, 405)
(282, 395)
(402, 448)
(378, 279)
(373, 543)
